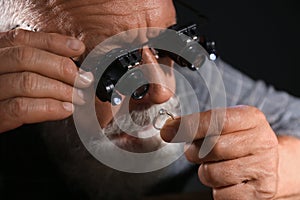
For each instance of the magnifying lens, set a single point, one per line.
(125, 63)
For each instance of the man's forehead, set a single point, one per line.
(136, 14)
(113, 7)
(130, 39)
(153, 11)
(128, 6)
(93, 21)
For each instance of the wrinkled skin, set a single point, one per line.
(32, 101)
(243, 164)
(37, 80)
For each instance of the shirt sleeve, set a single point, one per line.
(281, 109)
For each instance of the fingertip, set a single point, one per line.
(86, 77)
(69, 107)
(75, 45)
(201, 173)
(170, 129)
(167, 133)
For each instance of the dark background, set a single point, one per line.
(259, 37)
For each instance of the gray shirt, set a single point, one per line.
(281, 109)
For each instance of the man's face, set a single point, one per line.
(93, 21)
(96, 20)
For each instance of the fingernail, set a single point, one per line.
(68, 106)
(74, 44)
(86, 77)
(80, 94)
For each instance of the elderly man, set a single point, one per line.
(39, 82)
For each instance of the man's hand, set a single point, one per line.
(243, 164)
(37, 77)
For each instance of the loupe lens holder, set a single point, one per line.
(125, 63)
(123, 68)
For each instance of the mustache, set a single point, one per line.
(137, 120)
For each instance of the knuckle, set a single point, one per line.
(17, 108)
(267, 192)
(270, 171)
(17, 36)
(28, 83)
(201, 175)
(50, 108)
(205, 175)
(270, 139)
(266, 188)
(273, 189)
(23, 54)
(189, 156)
(48, 41)
(65, 67)
(66, 91)
(259, 115)
(218, 149)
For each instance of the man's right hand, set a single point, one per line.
(37, 77)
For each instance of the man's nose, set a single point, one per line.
(162, 83)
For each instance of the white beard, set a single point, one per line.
(84, 173)
(141, 118)
(143, 136)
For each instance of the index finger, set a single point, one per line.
(52, 42)
(225, 121)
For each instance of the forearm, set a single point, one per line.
(288, 170)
